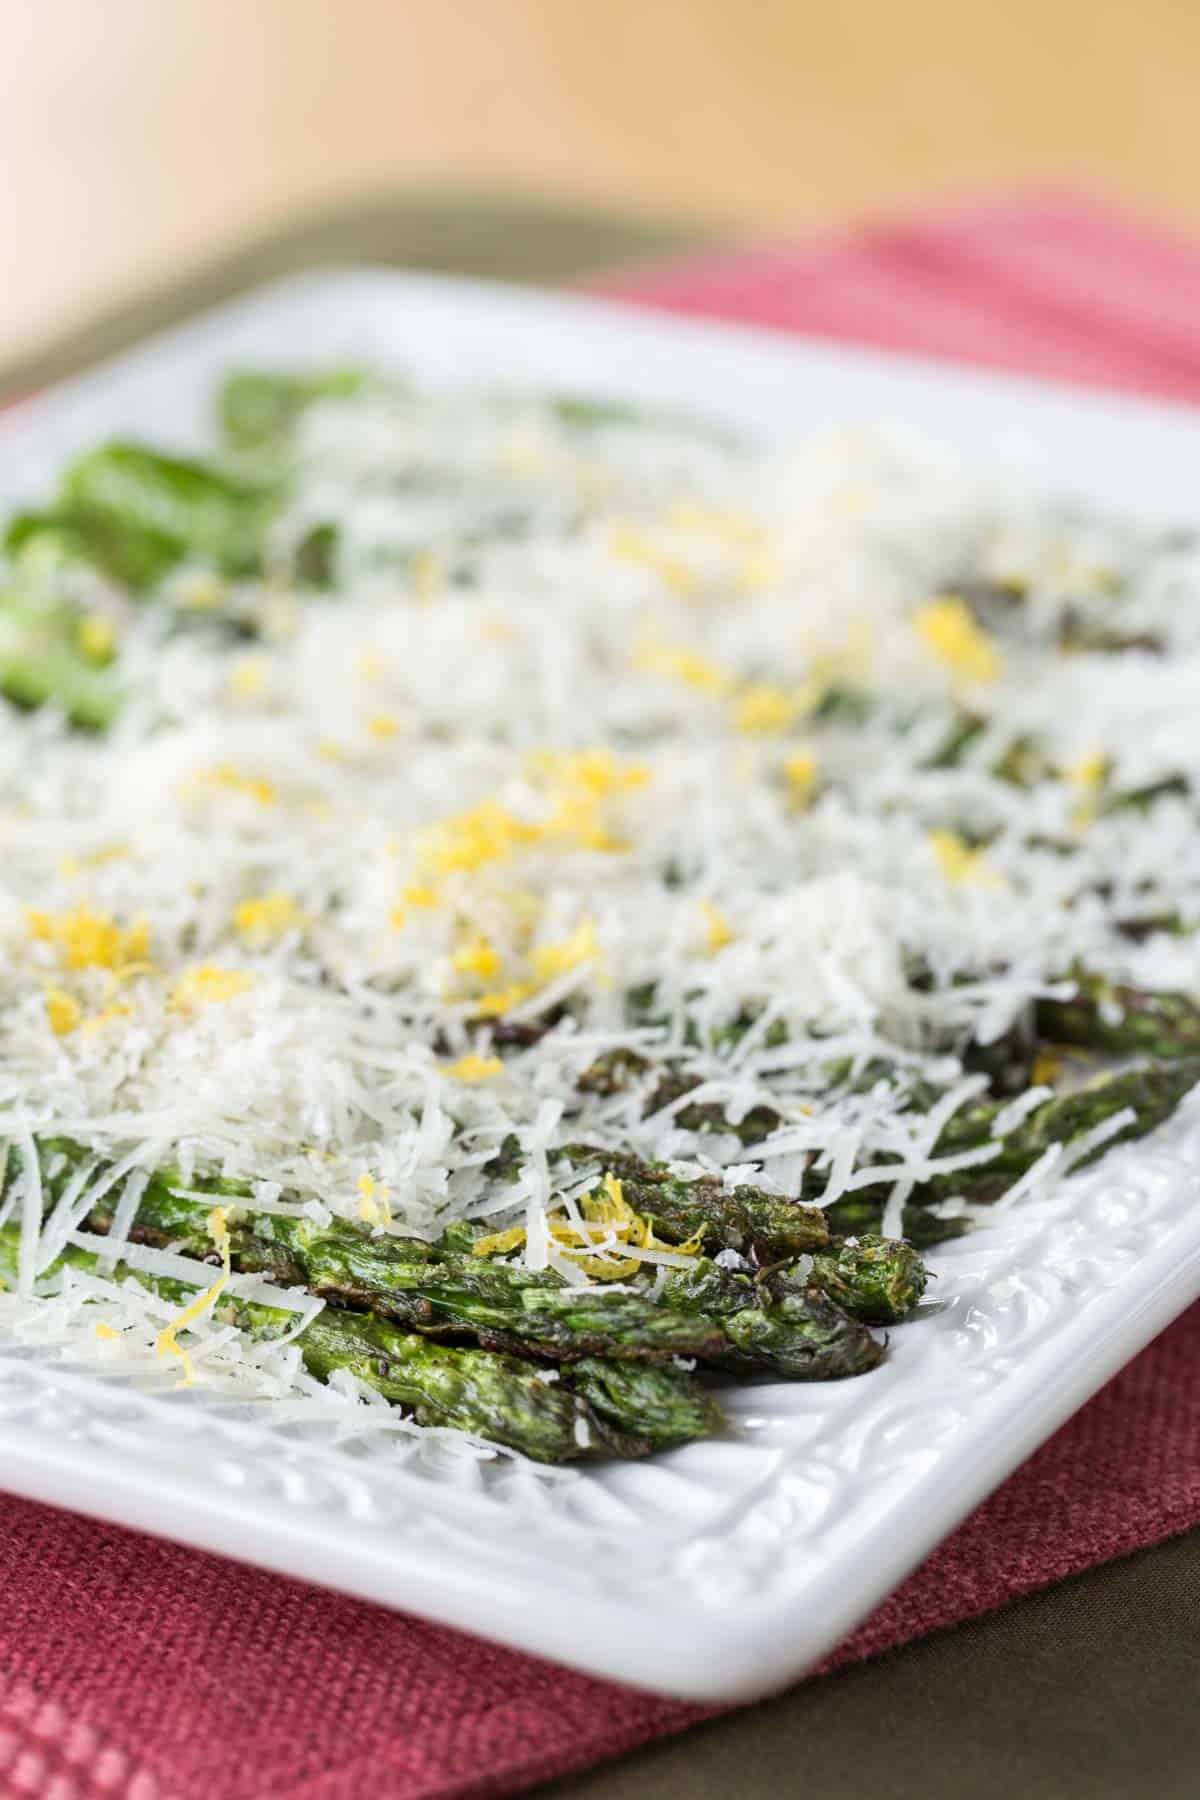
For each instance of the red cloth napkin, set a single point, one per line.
(134, 1670)
(1058, 288)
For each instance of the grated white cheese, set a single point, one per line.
(576, 753)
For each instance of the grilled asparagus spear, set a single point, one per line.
(1110, 1016)
(876, 1279)
(500, 1307)
(447, 1291)
(791, 1330)
(131, 555)
(873, 1279)
(258, 409)
(189, 505)
(740, 1218)
(1152, 1089)
(861, 1213)
(593, 1409)
(43, 659)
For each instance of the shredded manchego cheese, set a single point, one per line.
(607, 895)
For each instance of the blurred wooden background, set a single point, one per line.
(138, 137)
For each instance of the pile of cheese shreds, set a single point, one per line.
(608, 733)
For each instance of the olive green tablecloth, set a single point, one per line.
(1089, 1691)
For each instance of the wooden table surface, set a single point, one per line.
(140, 137)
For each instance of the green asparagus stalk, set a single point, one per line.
(861, 1214)
(1137, 927)
(740, 1218)
(1122, 1020)
(132, 556)
(876, 1279)
(1077, 634)
(643, 1407)
(1141, 799)
(258, 409)
(800, 1340)
(42, 659)
(504, 1308)
(795, 1331)
(616, 1070)
(1151, 1089)
(135, 514)
(591, 1410)
(1024, 761)
(195, 508)
(448, 1291)
(498, 1306)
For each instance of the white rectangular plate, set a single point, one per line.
(726, 1568)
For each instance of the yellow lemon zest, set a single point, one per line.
(167, 1344)
(763, 707)
(383, 726)
(947, 628)
(398, 918)
(427, 574)
(759, 569)
(92, 940)
(1047, 1067)
(417, 894)
(597, 770)
(678, 663)
(1088, 775)
(727, 525)
(208, 985)
(473, 1067)
(265, 916)
(851, 662)
(202, 593)
(800, 771)
(63, 1011)
(478, 957)
(578, 783)
(492, 1006)
(608, 1215)
(495, 629)
(368, 665)
(97, 637)
(329, 750)
(498, 1243)
(521, 453)
(1089, 771)
(526, 908)
(959, 863)
(106, 1333)
(550, 960)
(628, 544)
(486, 833)
(99, 1020)
(374, 1204)
(248, 677)
(719, 930)
(71, 866)
(225, 775)
(577, 819)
